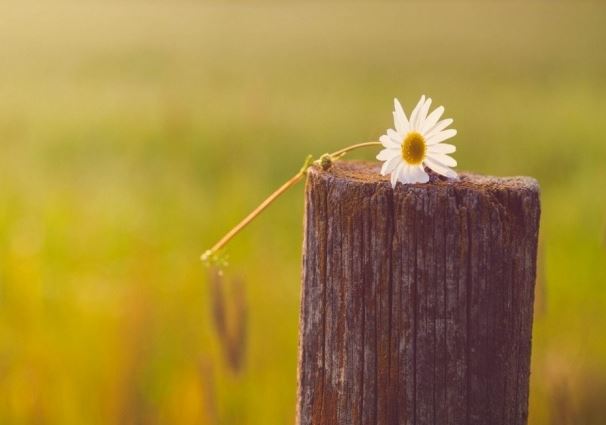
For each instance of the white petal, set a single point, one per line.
(438, 127)
(388, 143)
(412, 174)
(432, 119)
(423, 114)
(443, 159)
(423, 177)
(441, 148)
(387, 154)
(440, 169)
(395, 136)
(405, 174)
(441, 136)
(390, 165)
(400, 119)
(418, 175)
(396, 122)
(401, 128)
(395, 173)
(415, 112)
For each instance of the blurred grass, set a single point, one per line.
(133, 135)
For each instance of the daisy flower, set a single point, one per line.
(416, 143)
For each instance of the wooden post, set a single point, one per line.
(416, 302)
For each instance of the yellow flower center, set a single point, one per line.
(413, 148)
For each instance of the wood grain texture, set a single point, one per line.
(416, 303)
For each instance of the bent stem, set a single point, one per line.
(267, 202)
(325, 161)
(338, 154)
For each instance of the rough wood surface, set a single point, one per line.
(416, 302)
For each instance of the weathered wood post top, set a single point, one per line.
(417, 301)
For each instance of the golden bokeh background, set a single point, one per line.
(134, 134)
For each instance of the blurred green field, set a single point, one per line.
(134, 134)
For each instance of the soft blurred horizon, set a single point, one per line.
(134, 134)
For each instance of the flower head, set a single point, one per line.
(416, 143)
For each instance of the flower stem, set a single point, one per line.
(211, 253)
(267, 202)
(338, 154)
